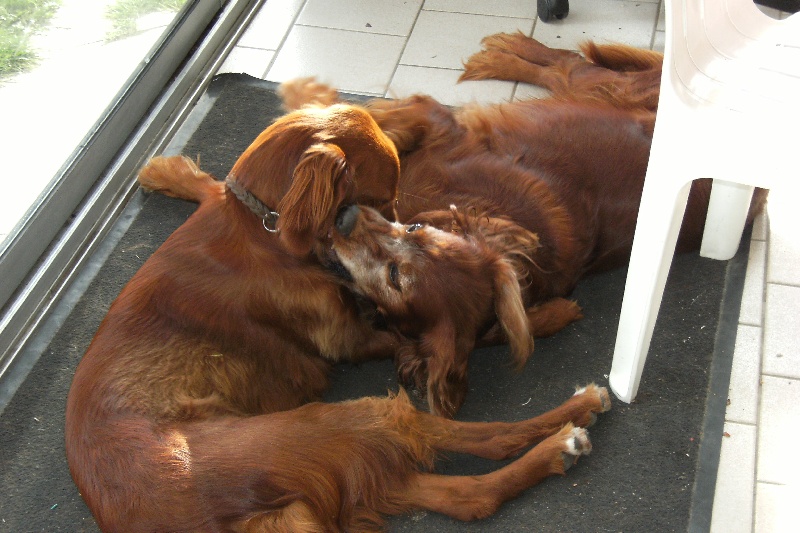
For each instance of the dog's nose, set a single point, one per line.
(346, 219)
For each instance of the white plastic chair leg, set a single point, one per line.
(727, 214)
(651, 257)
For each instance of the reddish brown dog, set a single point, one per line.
(548, 192)
(189, 410)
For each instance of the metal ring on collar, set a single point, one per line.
(270, 221)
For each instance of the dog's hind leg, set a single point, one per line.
(515, 57)
(501, 440)
(475, 497)
(334, 467)
(552, 316)
(498, 65)
(179, 177)
(561, 441)
(529, 49)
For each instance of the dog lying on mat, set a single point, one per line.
(547, 190)
(190, 410)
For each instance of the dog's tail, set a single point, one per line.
(179, 177)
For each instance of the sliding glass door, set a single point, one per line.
(104, 85)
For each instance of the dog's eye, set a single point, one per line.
(394, 276)
(413, 227)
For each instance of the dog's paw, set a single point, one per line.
(482, 65)
(412, 369)
(446, 396)
(576, 443)
(502, 41)
(601, 395)
(592, 400)
(575, 310)
(552, 316)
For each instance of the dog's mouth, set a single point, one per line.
(367, 309)
(332, 263)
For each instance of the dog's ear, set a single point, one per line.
(511, 312)
(447, 356)
(313, 197)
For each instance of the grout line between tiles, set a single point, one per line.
(655, 25)
(283, 39)
(783, 284)
(241, 46)
(432, 67)
(473, 14)
(760, 370)
(402, 51)
(741, 422)
(778, 376)
(749, 323)
(348, 30)
(773, 483)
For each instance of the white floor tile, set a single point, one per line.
(781, 356)
(784, 258)
(252, 61)
(752, 309)
(446, 40)
(733, 497)
(603, 21)
(744, 389)
(371, 16)
(441, 84)
(502, 8)
(659, 41)
(784, 243)
(661, 24)
(349, 61)
(271, 25)
(779, 431)
(776, 508)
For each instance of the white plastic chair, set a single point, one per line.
(729, 109)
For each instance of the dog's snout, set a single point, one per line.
(346, 219)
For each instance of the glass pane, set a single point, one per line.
(62, 62)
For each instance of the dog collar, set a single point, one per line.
(269, 218)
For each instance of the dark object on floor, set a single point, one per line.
(552, 9)
(646, 460)
(787, 6)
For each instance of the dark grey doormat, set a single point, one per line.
(653, 464)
